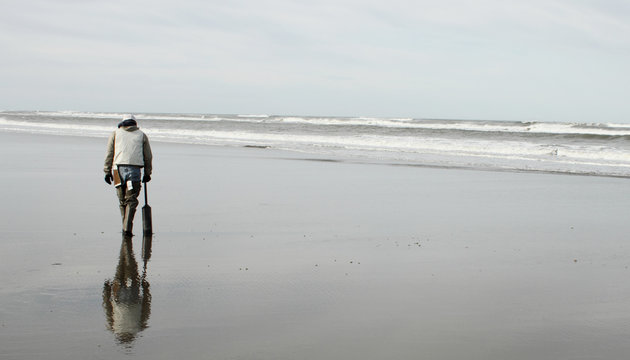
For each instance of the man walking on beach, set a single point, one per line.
(128, 151)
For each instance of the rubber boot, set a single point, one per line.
(120, 191)
(128, 221)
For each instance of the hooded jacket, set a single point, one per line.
(129, 146)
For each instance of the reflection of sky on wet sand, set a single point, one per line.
(332, 295)
(315, 260)
(127, 297)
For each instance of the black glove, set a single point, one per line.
(109, 178)
(146, 178)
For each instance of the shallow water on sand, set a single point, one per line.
(257, 256)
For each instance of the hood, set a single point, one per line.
(128, 122)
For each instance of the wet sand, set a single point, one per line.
(261, 254)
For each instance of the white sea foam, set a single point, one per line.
(534, 128)
(451, 146)
(77, 114)
(394, 144)
(428, 124)
(53, 128)
(253, 116)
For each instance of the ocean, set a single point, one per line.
(601, 149)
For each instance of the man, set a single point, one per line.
(128, 151)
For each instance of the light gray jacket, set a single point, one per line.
(129, 146)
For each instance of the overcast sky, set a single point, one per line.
(564, 60)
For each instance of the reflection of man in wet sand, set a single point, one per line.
(127, 298)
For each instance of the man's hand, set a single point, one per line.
(109, 178)
(146, 178)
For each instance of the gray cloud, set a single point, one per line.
(484, 59)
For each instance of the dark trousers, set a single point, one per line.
(128, 199)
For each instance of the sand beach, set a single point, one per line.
(265, 254)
